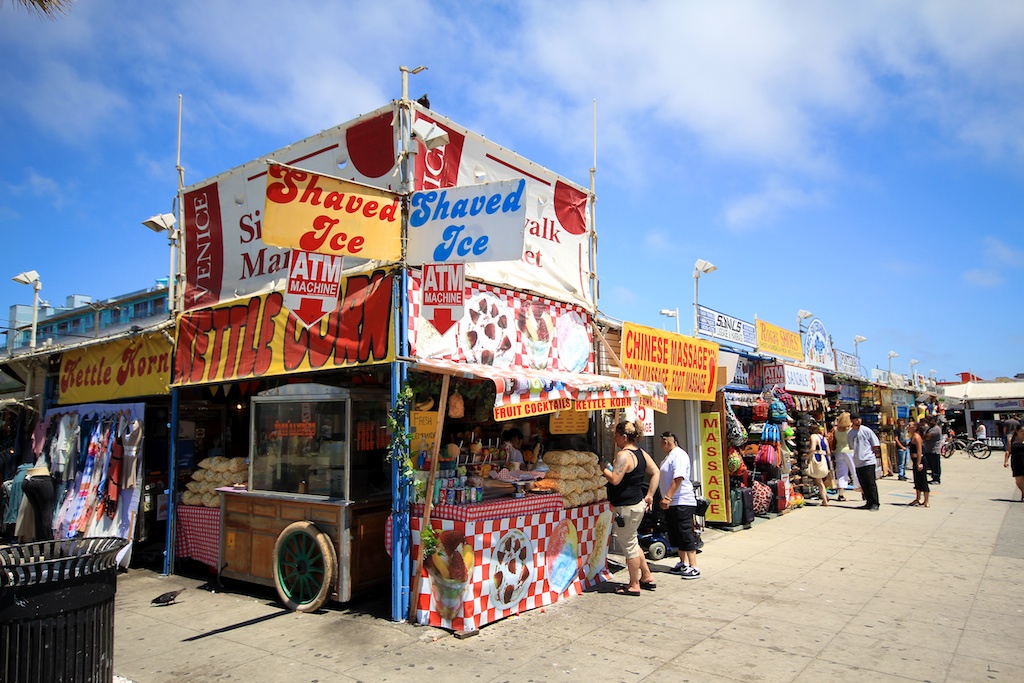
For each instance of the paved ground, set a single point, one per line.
(819, 594)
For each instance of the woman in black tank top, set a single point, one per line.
(626, 492)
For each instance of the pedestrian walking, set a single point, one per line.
(818, 463)
(839, 445)
(921, 489)
(625, 475)
(933, 449)
(1015, 457)
(866, 448)
(902, 448)
(680, 505)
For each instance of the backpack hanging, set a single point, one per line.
(734, 430)
(760, 409)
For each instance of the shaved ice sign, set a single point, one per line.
(474, 223)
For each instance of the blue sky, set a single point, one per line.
(862, 161)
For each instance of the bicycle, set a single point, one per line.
(959, 443)
(974, 447)
(979, 449)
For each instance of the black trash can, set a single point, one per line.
(57, 610)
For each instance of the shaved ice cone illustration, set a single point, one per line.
(450, 566)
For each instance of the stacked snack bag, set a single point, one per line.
(213, 473)
(574, 474)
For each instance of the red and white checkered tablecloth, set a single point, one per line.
(493, 509)
(488, 509)
(197, 533)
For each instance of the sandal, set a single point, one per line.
(621, 590)
(648, 585)
(914, 504)
(841, 499)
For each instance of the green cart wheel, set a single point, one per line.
(305, 567)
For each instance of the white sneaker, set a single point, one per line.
(690, 573)
(679, 568)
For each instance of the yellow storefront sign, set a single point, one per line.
(327, 215)
(515, 411)
(259, 337)
(685, 366)
(713, 471)
(778, 341)
(125, 368)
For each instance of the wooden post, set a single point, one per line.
(414, 589)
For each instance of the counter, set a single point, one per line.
(522, 558)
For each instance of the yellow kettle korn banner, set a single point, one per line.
(778, 341)
(126, 368)
(327, 215)
(685, 366)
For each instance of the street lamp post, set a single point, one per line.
(701, 267)
(913, 377)
(31, 277)
(671, 313)
(857, 340)
(165, 222)
(892, 354)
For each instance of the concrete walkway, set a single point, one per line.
(818, 594)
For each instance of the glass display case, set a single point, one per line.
(320, 441)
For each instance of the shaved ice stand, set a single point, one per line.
(436, 225)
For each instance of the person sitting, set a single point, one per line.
(512, 441)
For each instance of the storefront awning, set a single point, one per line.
(522, 392)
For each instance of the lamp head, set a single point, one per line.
(893, 354)
(162, 222)
(669, 312)
(858, 339)
(29, 277)
(914, 362)
(705, 267)
(429, 134)
(803, 315)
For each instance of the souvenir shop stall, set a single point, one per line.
(767, 467)
(511, 512)
(16, 419)
(87, 472)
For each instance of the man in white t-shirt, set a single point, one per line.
(680, 504)
(866, 448)
(981, 432)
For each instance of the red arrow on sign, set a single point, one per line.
(442, 319)
(310, 310)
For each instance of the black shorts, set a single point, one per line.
(679, 519)
(1017, 460)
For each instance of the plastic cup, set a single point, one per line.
(448, 595)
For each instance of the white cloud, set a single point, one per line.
(981, 277)
(766, 204)
(994, 249)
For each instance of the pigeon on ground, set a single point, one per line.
(167, 598)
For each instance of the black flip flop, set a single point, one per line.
(648, 585)
(621, 590)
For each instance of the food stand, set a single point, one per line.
(512, 552)
(507, 237)
(317, 475)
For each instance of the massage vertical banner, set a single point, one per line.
(713, 473)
